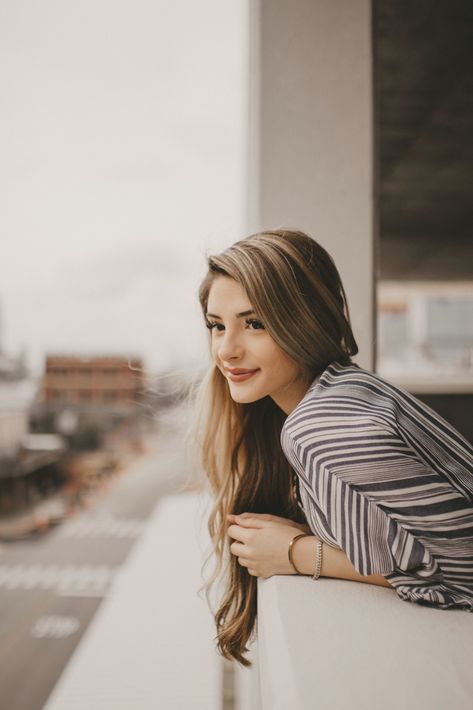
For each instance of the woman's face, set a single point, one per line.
(241, 343)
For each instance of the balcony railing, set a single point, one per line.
(333, 644)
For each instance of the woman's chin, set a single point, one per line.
(242, 397)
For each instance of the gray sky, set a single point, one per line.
(123, 143)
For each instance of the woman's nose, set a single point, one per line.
(229, 345)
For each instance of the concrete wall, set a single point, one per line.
(340, 644)
(311, 136)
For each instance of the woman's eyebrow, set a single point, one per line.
(238, 315)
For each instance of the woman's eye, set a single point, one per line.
(257, 323)
(211, 325)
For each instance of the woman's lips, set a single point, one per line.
(243, 376)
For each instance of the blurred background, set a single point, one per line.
(136, 139)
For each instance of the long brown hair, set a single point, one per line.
(295, 287)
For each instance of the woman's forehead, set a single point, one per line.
(225, 291)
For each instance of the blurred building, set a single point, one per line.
(425, 335)
(94, 380)
(16, 398)
(94, 401)
(27, 461)
(16, 395)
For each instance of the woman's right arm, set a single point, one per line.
(335, 563)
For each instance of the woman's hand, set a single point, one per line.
(275, 518)
(261, 542)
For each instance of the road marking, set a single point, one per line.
(103, 527)
(53, 626)
(69, 580)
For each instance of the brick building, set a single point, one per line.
(92, 380)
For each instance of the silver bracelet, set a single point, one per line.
(318, 560)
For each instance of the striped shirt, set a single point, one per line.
(389, 481)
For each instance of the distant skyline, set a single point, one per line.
(123, 142)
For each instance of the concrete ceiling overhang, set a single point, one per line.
(423, 96)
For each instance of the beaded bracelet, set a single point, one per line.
(318, 560)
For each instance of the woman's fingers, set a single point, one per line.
(238, 532)
(237, 548)
(267, 517)
(250, 522)
(244, 562)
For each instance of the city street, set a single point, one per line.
(51, 587)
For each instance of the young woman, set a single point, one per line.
(318, 466)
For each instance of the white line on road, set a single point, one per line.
(70, 580)
(54, 626)
(103, 527)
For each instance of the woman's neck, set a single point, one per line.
(289, 397)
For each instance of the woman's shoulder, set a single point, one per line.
(351, 398)
(343, 397)
(351, 383)
(347, 389)
(338, 378)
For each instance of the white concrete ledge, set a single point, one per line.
(150, 644)
(340, 645)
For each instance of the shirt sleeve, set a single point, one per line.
(437, 443)
(371, 492)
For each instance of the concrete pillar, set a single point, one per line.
(311, 137)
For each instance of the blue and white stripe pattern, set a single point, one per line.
(389, 481)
